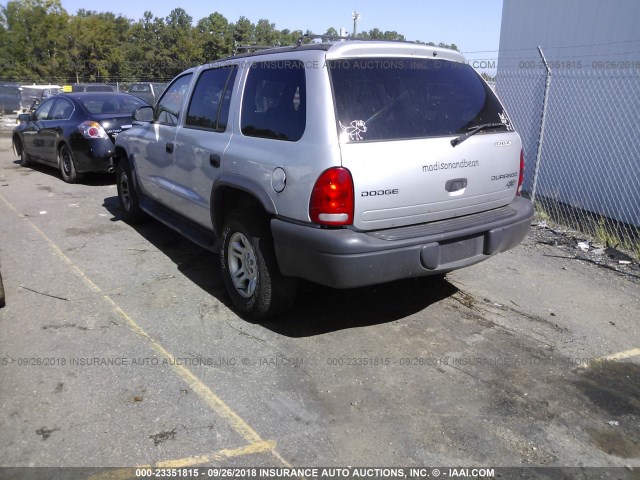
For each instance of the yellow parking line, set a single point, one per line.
(204, 392)
(634, 352)
(259, 447)
(198, 386)
(126, 473)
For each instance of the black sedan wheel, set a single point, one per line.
(24, 158)
(67, 165)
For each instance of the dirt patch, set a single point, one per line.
(578, 246)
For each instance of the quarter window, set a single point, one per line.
(274, 102)
(168, 108)
(209, 107)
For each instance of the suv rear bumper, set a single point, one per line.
(343, 258)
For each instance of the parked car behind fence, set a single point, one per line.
(148, 91)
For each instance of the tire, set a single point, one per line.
(249, 268)
(2, 302)
(25, 160)
(127, 194)
(67, 165)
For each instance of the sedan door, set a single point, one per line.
(53, 128)
(33, 140)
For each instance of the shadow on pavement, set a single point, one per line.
(91, 179)
(318, 309)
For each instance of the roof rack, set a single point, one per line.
(332, 38)
(313, 36)
(247, 48)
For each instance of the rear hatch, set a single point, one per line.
(396, 119)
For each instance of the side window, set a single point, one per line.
(42, 113)
(274, 102)
(168, 108)
(209, 106)
(62, 110)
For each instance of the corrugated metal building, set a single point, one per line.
(590, 159)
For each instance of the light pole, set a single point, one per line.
(356, 16)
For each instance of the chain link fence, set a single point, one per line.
(582, 152)
(21, 97)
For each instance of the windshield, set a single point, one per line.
(398, 98)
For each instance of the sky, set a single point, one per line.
(474, 26)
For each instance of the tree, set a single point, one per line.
(94, 43)
(180, 46)
(34, 33)
(331, 32)
(265, 33)
(216, 37)
(42, 42)
(287, 37)
(243, 32)
(487, 77)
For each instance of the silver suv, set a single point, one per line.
(345, 163)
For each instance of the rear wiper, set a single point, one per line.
(473, 131)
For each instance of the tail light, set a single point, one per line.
(521, 176)
(332, 199)
(92, 130)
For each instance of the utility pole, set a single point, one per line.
(356, 16)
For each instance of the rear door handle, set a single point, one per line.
(169, 147)
(214, 160)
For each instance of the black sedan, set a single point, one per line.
(75, 131)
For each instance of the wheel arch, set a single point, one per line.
(63, 143)
(231, 192)
(120, 153)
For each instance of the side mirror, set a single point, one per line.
(143, 114)
(24, 117)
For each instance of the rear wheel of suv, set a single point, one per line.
(67, 165)
(127, 194)
(249, 268)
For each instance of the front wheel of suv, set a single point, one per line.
(249, 268)
(127, 194)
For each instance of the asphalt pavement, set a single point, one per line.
(118, 348)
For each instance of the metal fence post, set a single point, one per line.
(547, 86)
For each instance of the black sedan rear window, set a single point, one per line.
(399, 98)
(116, 104)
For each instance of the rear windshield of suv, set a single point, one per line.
(398, 98)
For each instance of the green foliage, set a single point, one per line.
(41, 42)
